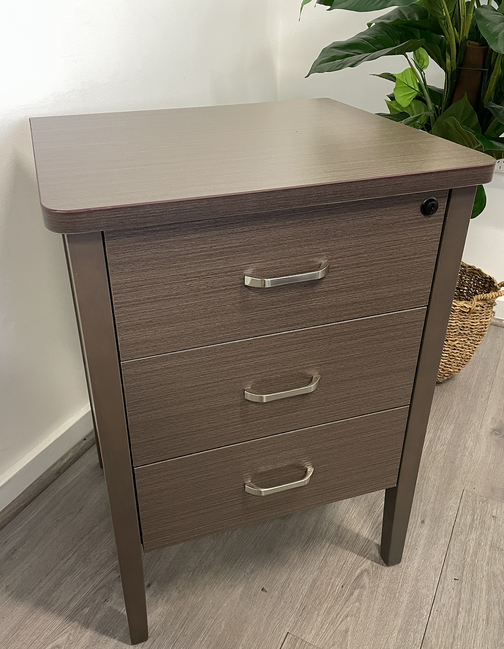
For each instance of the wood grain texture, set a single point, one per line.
(182, 286)
(204, 493)
(315, 574)
(120, 170)
(88, 273)
(191, 401)
(398, 501)
(292, 642)
(468, 611)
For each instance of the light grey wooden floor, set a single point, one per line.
(308, 581)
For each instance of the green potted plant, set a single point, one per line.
(466, 40)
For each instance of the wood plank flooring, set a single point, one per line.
(291, 642)
(468, 609)
(309, 581)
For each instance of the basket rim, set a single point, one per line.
(482, 297)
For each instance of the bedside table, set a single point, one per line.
(262, 293)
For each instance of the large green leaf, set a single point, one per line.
(385, 75)
(414, 115)
(451, 129)
(435, 7)
(497, 111)
(406, 88)
(421, 58)
(364, 5)
(459, 123)
(412, 16)
(436, 50)
(436, 95)
(379, 40)
(479, 202)
(490, 145)
(417, 18)
(418, 121)
(429, 30)
(395, 117)
(463, 112)
(416, 108)
(413, 109)
(394, 107)
(491, 25)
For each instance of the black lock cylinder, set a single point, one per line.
(429, 206)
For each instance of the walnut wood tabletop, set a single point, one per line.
(120, 170)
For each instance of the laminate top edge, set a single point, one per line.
(137, 169)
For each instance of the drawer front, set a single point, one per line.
(182, 286)
(194, 400)
(204, 493)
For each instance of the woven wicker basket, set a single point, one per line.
(471, 312)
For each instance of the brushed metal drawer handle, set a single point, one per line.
(268, 491)
(274, 396)
(269, 282)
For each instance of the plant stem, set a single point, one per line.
(445, 33)
(469, 17)
(451, 36)
(447, 39)
(463, 18)
(495, 76)
(423, 88)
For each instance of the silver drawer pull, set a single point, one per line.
(269, 282)
(274, 396)
(259, 491)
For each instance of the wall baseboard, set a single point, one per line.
(498, 322)
(43, 464)
(499, 309)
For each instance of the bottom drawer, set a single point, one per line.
(203, 493)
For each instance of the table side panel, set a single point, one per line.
(399, 500)
(88, 271)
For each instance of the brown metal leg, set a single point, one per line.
(399, 499)
(86, 371)
(87, 264)
(98, 449)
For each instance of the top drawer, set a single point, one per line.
(182, 286)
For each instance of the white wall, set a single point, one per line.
(485, 241)
(83, 56)
(302, 40)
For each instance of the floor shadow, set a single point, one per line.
(75, 576)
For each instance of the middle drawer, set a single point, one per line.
(194, 400)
